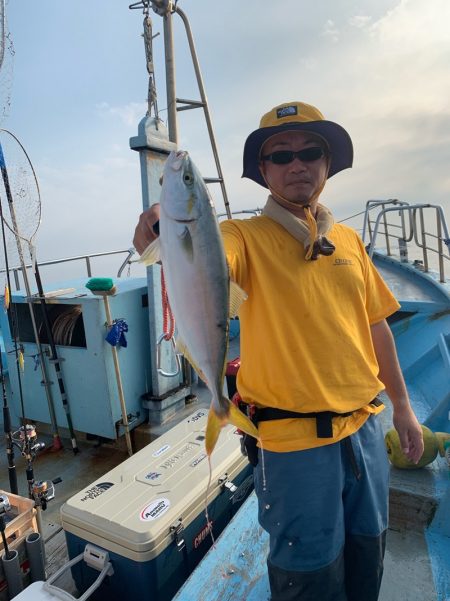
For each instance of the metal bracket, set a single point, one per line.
(226, 483)
(176, 530)
(167, 374)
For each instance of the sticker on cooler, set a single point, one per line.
(154, 510)
(161, 451)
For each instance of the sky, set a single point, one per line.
(78, 89)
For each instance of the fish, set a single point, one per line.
(201, 295)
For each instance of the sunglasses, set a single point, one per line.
(306, 155)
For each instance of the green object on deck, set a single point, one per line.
(100, 284)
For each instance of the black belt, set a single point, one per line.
(324, 419)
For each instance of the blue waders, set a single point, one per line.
(326, 511)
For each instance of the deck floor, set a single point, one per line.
(235, 568)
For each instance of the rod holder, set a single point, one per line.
(13, 573)
(36, 556)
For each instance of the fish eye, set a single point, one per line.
(187, 178)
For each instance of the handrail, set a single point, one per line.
(16, 270)
(412, 231)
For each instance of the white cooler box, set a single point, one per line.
(149, 512)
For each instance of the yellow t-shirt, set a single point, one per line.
(305, 329)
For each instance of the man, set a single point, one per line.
(315, 352)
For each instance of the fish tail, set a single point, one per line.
(213, 427)
(216, 423)
(241, 421)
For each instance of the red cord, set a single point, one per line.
(168, 320)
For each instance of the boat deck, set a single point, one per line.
(235, 568)
(243, 546)
(410, 289)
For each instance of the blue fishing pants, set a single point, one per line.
(326, 511)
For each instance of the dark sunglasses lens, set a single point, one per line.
(307, 155)
(282, 157)
(310, 154)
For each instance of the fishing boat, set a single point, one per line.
(137, 411)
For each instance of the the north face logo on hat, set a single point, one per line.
(286, 111)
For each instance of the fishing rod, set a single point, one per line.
(54, 358)
(25, 439)
(12, 473)
(18, 238)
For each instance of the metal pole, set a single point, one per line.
(205, 106)
(170, 78)
(118, 377)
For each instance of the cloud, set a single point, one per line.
(130, 114)
(360, 21)
(330, 31)
(90, 206)
(378, 67)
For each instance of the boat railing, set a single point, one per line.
(86, 259)
(420, 225)
(245, 212)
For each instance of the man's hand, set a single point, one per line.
(144, 232)
(410, 433)
(405, 422)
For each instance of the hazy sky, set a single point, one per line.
(79, 84)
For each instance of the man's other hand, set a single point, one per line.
(144, 233)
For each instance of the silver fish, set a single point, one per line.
(198, 285)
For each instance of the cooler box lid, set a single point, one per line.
(132, 508)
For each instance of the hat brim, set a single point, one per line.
(337, 138)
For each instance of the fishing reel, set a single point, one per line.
(25, 439)
(5, 505)
(43, 491)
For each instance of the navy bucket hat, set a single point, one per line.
(297, 116)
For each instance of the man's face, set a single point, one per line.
(297, 181)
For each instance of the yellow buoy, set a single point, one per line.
(433, 443)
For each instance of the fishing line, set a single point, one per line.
(209, 523)
(6, 64)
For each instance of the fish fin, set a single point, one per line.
(186, 244)
(152, 254)
(181, 347)
(241, 421)
(237, 297)
(213, 427)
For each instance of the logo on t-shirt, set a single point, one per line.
(343, 262)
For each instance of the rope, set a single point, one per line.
(312, 224)
(168, 319)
